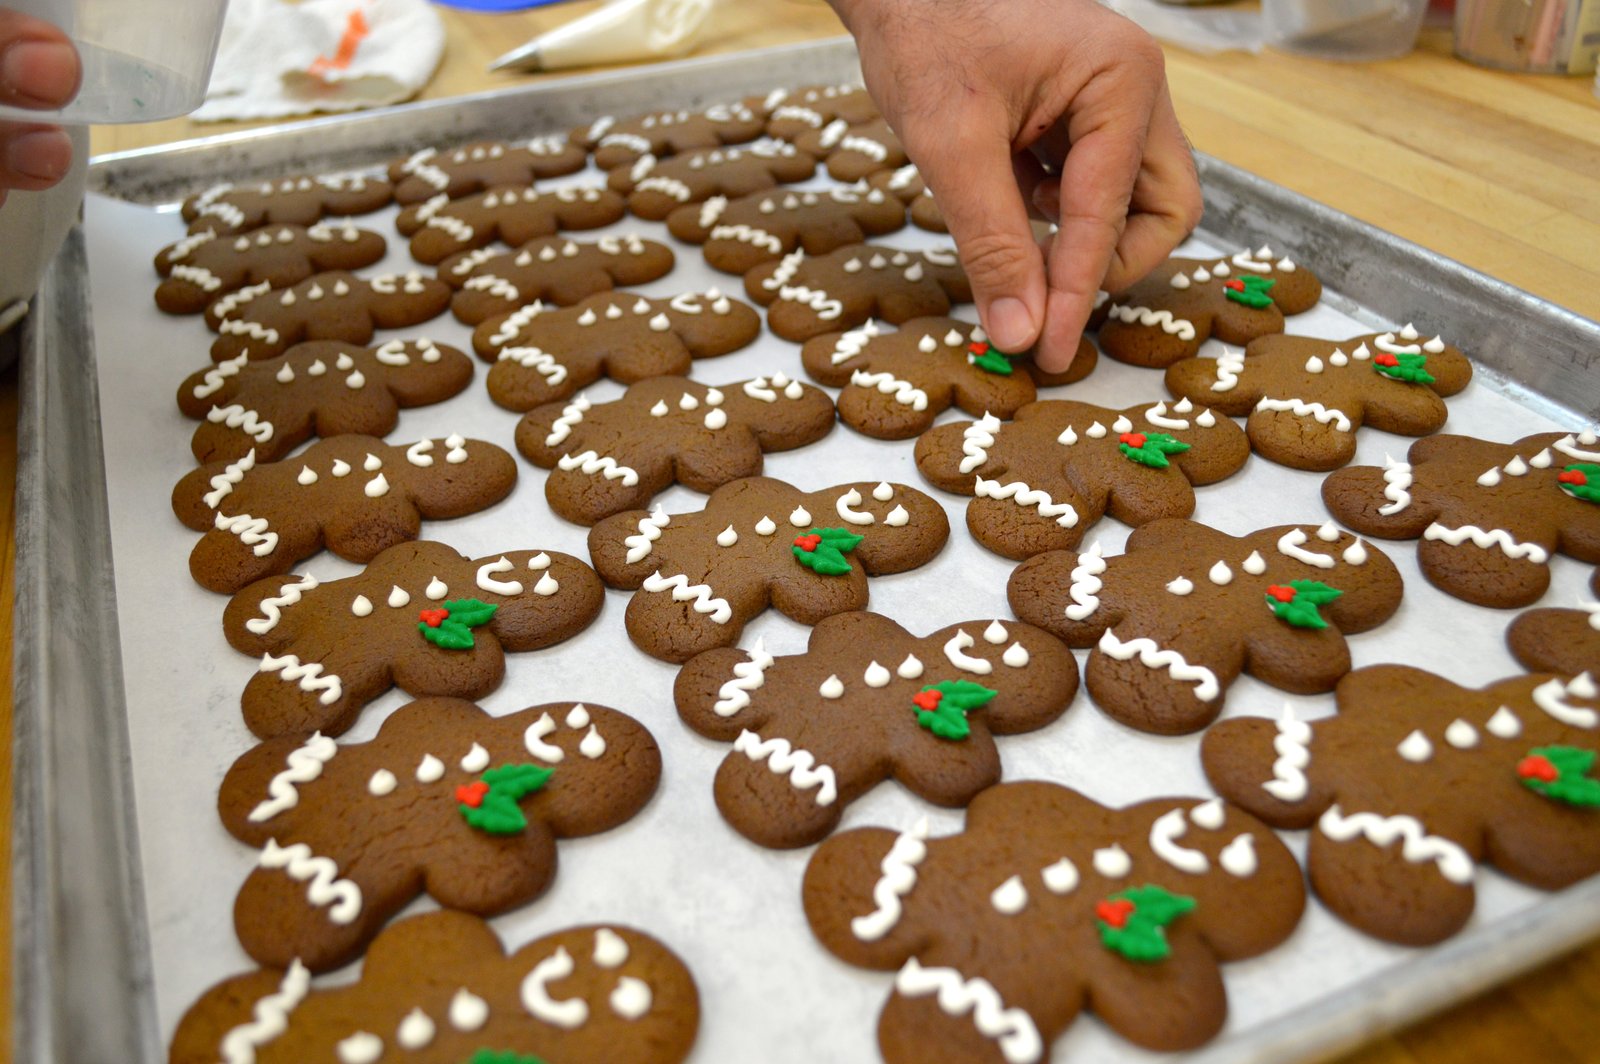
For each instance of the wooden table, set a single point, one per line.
(1501, 172)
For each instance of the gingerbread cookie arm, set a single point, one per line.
(1035, 594)
(1564, 641)
(714, 691)
(1225, 384)
(1402, 900)
(1380, 502)
(953, 455)
(841, 893)
(619, 546)
(290, 695)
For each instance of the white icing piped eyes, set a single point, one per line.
(800, 517)
(436, 589)
(832, 687)
(877, 675)
(910, 668)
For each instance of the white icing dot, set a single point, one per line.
(897, 517)
(765, 527)
(1016, 656)
(372, 464)
(1415, 747)
(468, 1011)
(1255, 565)
(610, 951)
(1461, 735)
(578, 717)
(360, 1048)
(361, 606)
(307, 476)
(800, 518)
(1112, 862)
(1010, 897)
(1220, 574)
(1061, 877)
(877, 675)
(996, 633)
(1180, 585)
(475, 760)
(593, 744)
(437, 589)
(381, 783)
(341, 468)
(631, 998)
(430, 769)
(398, 597)
(727, 537)
(1355, 554)
(883, 492)
(1208, 815)
(832, 687)
(1328, 532)
(910, 668)
(1238, 858)
(1504, 724)
(415, 1031)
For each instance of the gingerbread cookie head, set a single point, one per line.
(794, 112)
(1490, 515)
(1186, 609)
(419, 617)
(353, 494)
(440, 987)
(303, 199)
(657, 187)
(480, 165)
(511, 214)
(699, 577)
(853, 153)
(314, 389)
(741, 234)
(1043, 480)
(445, 799)
(868, 701)
(551, 269)
(907, 184)
(605, 458)
(264, 323)
(1305, 398)
(544, 354)
(1168, 315)
(810, 295)
(661, 133)
(896, 382)
(1415, 782)
(1049, 902)
(203, 267)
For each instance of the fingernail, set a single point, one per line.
(44, 73)
(44, 154)
(1010, 324)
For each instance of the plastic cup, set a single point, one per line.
(142, 59)
(1352, 30)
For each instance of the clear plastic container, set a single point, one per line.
(142, 59)
(1351, 30)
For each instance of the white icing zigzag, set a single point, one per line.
(1179, 327)
(699, 594)
(899, 878)
(1301, 408)
(800, 766)
(1418, 846)
(1153, 656)
(309, 677)
(905, 393)
(1029, 498)
(734, 695)
(1486, 538)
(591, 462)
(571, 414)
(976, 439)
(321, 876)
(1396, 486)
(535, 359)
(252, 532)
(287, 595)
(1229, 365)
(1086, 584)
(214, 377)
(1288, 783)
(223, 483)
(1013, 1028)
(305, 765)
(640, 545)
(270, 1017)
(235, 416)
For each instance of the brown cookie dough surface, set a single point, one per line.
(263, 322)
(741, 234)
(807, 296)
(483, 164)
(301, 199)
(657, 187)
(204, 267)
(552, 269)
(622, 142)
(511, 214)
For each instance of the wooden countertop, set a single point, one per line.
(1499, 171)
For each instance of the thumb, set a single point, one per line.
(971, 177)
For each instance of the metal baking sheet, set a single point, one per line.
(106, 931)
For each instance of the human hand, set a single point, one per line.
(38, 69)
(1057, 105)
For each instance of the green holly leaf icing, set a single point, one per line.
(1253, 294)
(956, 698)
(455, 631)
(1302, 611)
(1154, 451)
(1142, 936)
(1581, 480)
(496, 811)
(992, 360)
(1408, 366)
(501, 1056)
(826, 558)
(1572, 785)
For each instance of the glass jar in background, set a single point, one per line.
(1533, 36)
(1351, 30)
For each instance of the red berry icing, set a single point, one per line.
(434, 618)
(978, 349)
(808, 543)
(1572, 476)
(1281, 593)
(472, 793)
(1536, 767)
(1115, 913)
(928, 700)
(1385, 358)
(1135, 440)
(1237, 286)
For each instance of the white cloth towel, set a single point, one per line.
(278, 58)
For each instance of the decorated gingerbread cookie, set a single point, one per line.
(1489, 515)
(323, 388)
(741, 234)
(264, 322)
(1168, 315)
(511, 214)
(1179, 616)
(792, 112)
(545, 354)
(605, 458)
(699, 577)
(1049, 903)
(419, 617)
(1565, 641)
(907, 184)
(1305, 398)
(439, 988)
(661, 133)
(481, 165)
(1042, 481)
(203, 267)
(810, 295)
(1415, 782)
(657, 187)
(852, 153)
(868, 701)
(446, 800)
(896, 382)
(553, 269)
(303, 199)
(354, 495)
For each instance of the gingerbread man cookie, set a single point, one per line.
(419, 617)
(264, 322)
(203, 267)
(853, 153)
(440, 989)
(446, 800)
(554, 269)
(657, 187)
(699, 577)
(511, 214)
(354, 495)
(1186, 609)
(661, 133)
(808, 296)
(1305, 398)
(868, 701)
(1043, 480)
(609, 457)
(303, 199)
(1168, 315)
(741, 234)
(907, 184)
(1565, 641)
(324, 388)
(1489, 515)
(792, 112)
(481, 165)
(543, 355)
(1048, 903)
(896, 383)
(1416, 781)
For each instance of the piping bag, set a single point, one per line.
(622, 31)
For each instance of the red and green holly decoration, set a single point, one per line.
(1250, 290)
(1561, 773)
(1150, 448)
(1133, 921)
(1403, 366)
(450, 625)
(489, 803)
(501, 1056)
(822, 550)
(943, 707)
(1297, 603)
(1581, 481)
(990, 359)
